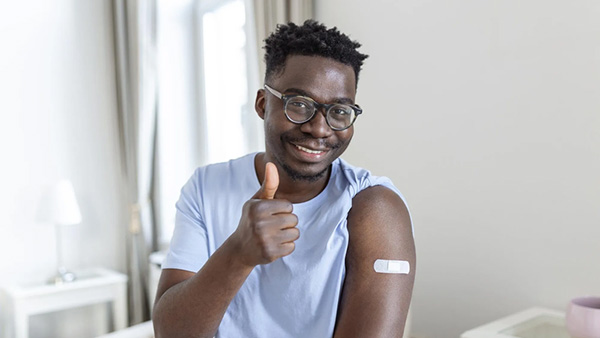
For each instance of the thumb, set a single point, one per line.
(270, 183)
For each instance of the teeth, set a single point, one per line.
(310, 151)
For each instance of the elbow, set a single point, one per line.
(163, 328)
(172, 327)
(157, 323)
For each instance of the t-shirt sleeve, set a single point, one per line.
(363, 180)
(189, 245)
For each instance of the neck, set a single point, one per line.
(292, 189)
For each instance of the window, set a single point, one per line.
(229, 80)
(208, 76)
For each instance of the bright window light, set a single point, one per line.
(225, 80)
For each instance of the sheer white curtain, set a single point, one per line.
(269, 13)
(135, 31)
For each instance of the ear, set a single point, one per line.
(260, 103)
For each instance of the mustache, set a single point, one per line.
(289, 137)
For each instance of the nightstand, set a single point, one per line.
(532, 323)
(91, 287)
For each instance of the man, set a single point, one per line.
(284, 243)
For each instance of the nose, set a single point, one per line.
(317, 126)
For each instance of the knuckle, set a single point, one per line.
(257, 227)
(261, 227)
(260, 207)
(249, 208)
(261, 239)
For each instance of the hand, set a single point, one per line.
(267, 228)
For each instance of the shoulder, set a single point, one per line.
(379, 216)
(220, 178)
(357, 178)
(241, 164)
(360, 179)
(207, 176)
(379, 210)
(378, 198)
(369, 191)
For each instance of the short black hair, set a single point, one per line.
(310, 39)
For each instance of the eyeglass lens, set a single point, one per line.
(300, 110)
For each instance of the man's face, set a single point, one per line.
(305, 151)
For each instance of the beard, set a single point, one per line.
(296, 175)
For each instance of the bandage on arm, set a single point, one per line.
(392, 266)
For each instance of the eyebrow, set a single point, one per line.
(344, 100)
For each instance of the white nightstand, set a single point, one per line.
(532, 323)
(91, 287)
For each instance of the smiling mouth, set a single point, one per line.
(310, 151)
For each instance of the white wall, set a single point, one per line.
(57, 119)
(486, 114)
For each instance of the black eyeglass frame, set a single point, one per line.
(317, 106)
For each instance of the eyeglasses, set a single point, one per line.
(301, 109)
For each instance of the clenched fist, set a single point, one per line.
(267, 228)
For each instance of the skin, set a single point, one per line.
(324, 80)
(372, 305)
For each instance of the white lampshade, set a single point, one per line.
(59, 206)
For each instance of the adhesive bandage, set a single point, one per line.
(391, 266)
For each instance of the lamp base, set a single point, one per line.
(63, 276)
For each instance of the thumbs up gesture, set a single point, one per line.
(267, 228)
(270, 183)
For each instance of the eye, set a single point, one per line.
(297, 104)
(341, 110)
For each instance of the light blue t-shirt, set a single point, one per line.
(294, 296)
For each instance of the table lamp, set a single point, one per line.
(59, 206)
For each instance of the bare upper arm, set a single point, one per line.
(375, 304)
(169, 278)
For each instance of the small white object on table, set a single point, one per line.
(532, 323)
(92, 286)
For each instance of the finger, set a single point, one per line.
(288, 235)
(270, 183)
(285, 220)
(278, 222)
(269, 207)
(287, 248)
